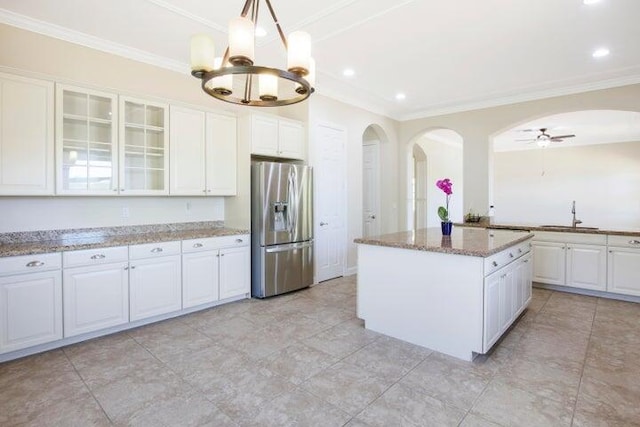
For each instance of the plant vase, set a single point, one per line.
(446, 227)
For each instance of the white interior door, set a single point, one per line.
(370, 196)
(330, 202)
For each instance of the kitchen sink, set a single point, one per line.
(568, 227)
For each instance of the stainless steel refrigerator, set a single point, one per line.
(281, 228)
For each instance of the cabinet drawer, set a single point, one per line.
(624, 241)
(153, 250)
(499, 260)
(95, 256)
(568, 237)
(30, 263)
(211, 243)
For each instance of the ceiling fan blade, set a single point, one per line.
(528, 130)
(554, 138)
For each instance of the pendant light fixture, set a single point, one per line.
(275, 87)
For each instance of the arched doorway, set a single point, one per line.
(434, 154)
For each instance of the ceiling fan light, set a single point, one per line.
(543, 141)
(202, 53)
(241, 41)
(299, 52)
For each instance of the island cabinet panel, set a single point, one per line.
(438, 298)
(507, 292)
(438, 306)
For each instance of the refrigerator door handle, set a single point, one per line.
(288, 247)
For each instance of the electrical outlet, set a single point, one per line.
(125, 212)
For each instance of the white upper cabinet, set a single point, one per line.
(188, 145)
(144, 143)
(264, 135)
(26, 136)
(222, 146)
(203, 153)
(291, 139)
(86, 141)
(277, 137)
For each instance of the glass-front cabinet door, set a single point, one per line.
(144, 160)
(86, 137)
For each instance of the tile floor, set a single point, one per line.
(304, 359)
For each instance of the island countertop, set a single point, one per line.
(477, 242)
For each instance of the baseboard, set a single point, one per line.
(351, 271)
(587, 292)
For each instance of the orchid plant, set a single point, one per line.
(445, 185)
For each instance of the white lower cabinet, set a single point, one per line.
(155, 286)
(586, 267)
(215, 268)
(549, 262)
(200, 280)
(624, 270)
(507, 292)
(155, 279)
(235, 273)
(576, 260)
(31, 310)
(95, 297)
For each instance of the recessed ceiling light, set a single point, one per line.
(260, 32)
(600, 53)
(348, 72)
(588, 2)
(401, 96)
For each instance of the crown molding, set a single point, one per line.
(76, 37)
(525, 97)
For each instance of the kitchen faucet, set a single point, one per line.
(575, 221)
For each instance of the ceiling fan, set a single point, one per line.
(543, 139)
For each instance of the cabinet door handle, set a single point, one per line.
(526, 260)
(98, 256)
(239, 240)
(133, 267)
(495, 264)
(634, 242)
(197, 245)
(35, 264)
(519, 250)
(126, 268)
(510, 255)
(221, 254)
(323, 224)
(156, 250)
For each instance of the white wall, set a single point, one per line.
(538, 186)
(355, 121)
(50, 213)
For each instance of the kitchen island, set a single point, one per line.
(457, 295)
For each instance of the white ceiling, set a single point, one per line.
(445, 55)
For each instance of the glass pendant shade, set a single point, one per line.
(299, 52)
(222, 85)
(202, 53)
(310, 77)
(268, 87)
(241, 41)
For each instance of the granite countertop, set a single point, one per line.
(478, 242)
(30, 243)
(559, 229)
